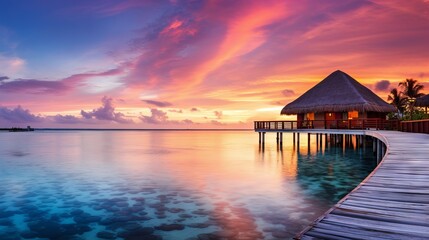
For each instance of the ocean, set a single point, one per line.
(168, 184)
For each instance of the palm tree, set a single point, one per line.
(412, 89)
(397, 99)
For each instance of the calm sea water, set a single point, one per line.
(167, 184)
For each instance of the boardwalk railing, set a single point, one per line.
(416, 126)
(368, 123)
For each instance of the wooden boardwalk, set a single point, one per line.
(391, 203)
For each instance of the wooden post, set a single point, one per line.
(308, 144)
(344, 141)
(317, 142)
(281, 138)
(263, 138)
(293, 138)
(326, 140)
(374, 144)
(297, 137)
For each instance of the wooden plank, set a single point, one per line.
(351, 232)
(374, 225)
(390, 210)
(385, 216)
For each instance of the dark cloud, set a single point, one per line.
(3, 78)
(194, 109)
(156, 117)
(18, 115)
(382, 85)
(158, 103)
(106, 112)
(288, 93)
(218, 114)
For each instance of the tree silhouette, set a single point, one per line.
(397, 99)
(412, 89)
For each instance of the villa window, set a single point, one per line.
(309, 116)
(353, 115)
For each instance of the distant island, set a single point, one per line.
(18, 129)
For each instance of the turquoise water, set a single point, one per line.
(168, 184)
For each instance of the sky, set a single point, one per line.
(195, 64)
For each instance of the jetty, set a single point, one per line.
(391, 203)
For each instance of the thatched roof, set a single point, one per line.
(338, 92)
(422, 101)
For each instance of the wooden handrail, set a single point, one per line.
(416, 126)
(367, 123)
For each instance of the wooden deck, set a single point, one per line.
(391, 203)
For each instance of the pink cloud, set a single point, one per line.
(34, 86)
(18, 115)
(156, 117)
(106, 112)
(161, 118)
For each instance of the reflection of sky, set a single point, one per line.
(243, 187)
(247, 56)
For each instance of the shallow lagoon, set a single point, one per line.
(168, 184)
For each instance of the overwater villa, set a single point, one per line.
(339, 101)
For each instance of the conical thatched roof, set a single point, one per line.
(338, 92)
(422, 101)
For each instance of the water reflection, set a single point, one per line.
(166, 185)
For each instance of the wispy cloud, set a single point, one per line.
(68, 119)
(158, 103)
(35, 86)
(218, 114)
(288, 93)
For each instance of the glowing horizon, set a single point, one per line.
(204, 64)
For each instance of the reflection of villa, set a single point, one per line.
(339, 101)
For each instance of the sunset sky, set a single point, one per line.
(195, 64)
